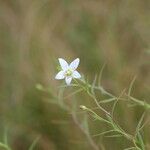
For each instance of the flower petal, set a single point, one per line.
(60, 75)
(76, 74)
(68, 80)
(74, 64)
(63, 64)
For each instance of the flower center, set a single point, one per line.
(68, 72)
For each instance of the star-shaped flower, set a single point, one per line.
(68, 71)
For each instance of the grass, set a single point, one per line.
(33, 34)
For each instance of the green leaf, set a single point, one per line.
(4, 146)
(115, 135)
(140, 141)
(100, 74)
(140, 123)
(107, 100)
(93, 85)
(130, 148)
(131, 85)
(103, 133)
(34, 143)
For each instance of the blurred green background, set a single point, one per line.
(35, 33)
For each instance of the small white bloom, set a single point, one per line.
(68, 71)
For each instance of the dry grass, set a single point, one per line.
(33, 34)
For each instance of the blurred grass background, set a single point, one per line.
(34, 33)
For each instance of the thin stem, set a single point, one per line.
(92, 143)
(99, 106)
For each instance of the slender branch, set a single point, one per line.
(91, 141)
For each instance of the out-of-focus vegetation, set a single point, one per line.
(34, 33)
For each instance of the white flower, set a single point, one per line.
(68, 71)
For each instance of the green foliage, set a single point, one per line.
(34, 144)
(112, 35)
